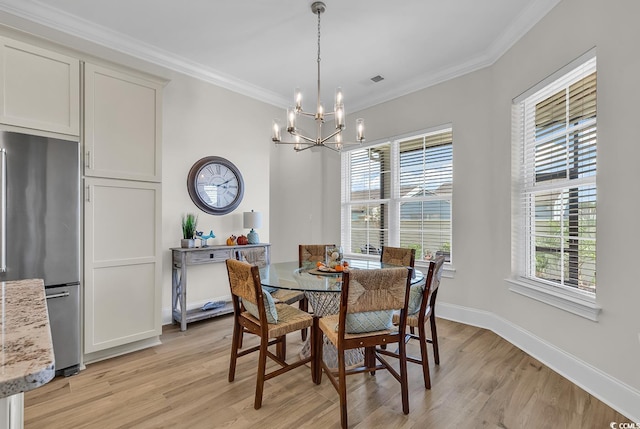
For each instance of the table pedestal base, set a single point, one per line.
(324, 304)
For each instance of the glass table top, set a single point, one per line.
(287, 275)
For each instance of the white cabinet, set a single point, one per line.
(122, 262)
(123, 115)
(39, 89)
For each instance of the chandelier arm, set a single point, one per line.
(330, 136)
(294, 143)
(303, 137)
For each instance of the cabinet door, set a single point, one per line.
(122, 263)
(39, 89)
(122, 125)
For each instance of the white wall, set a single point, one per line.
(202, 120)
(600, 356)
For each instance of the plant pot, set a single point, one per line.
(187, 243)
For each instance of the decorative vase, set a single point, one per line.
(187, 243)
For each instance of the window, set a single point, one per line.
(398, 193)
(555, 137)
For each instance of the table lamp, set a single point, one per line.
(252, 220)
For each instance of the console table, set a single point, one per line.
(181, 259)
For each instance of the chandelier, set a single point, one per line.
(332, 141)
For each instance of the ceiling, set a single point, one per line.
(265, 49)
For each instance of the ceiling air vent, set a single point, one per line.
(377, 79)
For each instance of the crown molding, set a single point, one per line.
(59, 21)
(509, 37)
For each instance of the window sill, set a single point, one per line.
(573, 302)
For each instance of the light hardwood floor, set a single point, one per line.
(482, 381)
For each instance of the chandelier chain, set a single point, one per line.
(319, 35)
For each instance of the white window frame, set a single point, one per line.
(393, 201)
(569, 299)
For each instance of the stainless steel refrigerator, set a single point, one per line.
(40, 230)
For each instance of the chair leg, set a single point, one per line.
(370, 358)
(303, 305)
(281, 347)
(317, 337)
(342, 392)
(404, 382)
(262, 365)
(235, 339)
(434, 339)
(422, 335)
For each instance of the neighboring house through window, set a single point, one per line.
(398, 193)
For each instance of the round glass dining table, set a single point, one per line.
(322, 289)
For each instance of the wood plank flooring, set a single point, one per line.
(482, 381)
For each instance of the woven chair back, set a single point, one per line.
(242, 278)
(254, 256)
(398, 256)
(309, 254)
(375, 290)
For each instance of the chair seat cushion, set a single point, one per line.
(269, 307)
(290, 319)
(368, 321)
(329, 325)
(287, 296)
(412, 319)
(415, 298)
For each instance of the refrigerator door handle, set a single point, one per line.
(58, 295)
(3, 210)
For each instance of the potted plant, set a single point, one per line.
(189, 223)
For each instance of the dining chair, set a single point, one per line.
(260, 256)
(310, 254)
(367, 301)
(255, 312)
(398, 256)
(421, 307)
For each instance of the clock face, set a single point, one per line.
(215, 185)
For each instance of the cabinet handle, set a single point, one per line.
(87, 162)
(88, 194)
(3, 210)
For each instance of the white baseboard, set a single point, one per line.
(613, 392)
(120, 350)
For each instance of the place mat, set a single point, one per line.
(324, 273)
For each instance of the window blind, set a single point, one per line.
(558, 174)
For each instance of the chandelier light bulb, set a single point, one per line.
(298, 99)
(291, 120)
(360, 129)
(275, 136)
(339, 112)
(339, 97)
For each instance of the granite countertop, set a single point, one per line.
(26, 356)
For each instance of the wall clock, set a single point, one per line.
(215, 185)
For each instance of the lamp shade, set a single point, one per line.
(252, 219)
